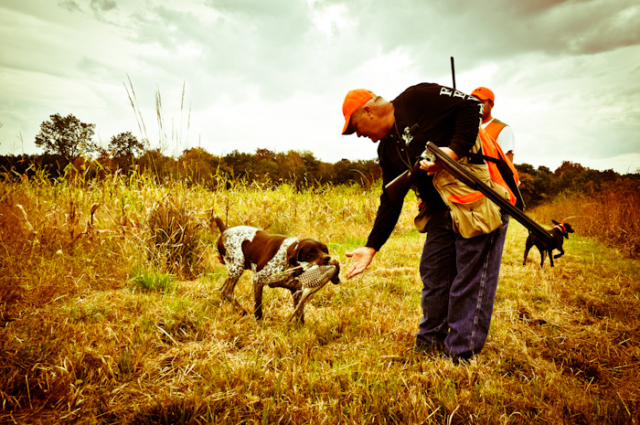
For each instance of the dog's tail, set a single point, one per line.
(220, 224)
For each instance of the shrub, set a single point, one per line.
(174, 237)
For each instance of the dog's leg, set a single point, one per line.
(304, 295)
(543, 253)
(551, 257)
(262, 279)
(559, 255)
(258, 289)
(227, 291)
(297, 297)
(528, 246)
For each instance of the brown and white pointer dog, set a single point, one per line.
(559, 231)
(276, 261)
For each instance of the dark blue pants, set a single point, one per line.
(460, 278)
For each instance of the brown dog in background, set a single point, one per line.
(276, 261)
(559, 231)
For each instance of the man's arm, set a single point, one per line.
(467, 125)
(386, 219)
(506, 140)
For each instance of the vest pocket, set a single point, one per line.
(472, 213)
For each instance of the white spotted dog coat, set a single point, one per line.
(276, 261)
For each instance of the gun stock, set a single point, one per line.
(398, 187)
(462, 174)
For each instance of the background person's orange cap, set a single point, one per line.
(352, 102)
(483, 93)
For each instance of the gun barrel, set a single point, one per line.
(453, 73)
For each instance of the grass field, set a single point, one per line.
(104, 321)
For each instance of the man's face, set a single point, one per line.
(366, 124)
(488, 106)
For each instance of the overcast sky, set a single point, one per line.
(273, 73)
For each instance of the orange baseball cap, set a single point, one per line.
(483, 93)
(352, 102)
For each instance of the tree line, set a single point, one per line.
(70, 152)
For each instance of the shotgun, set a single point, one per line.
(462, 174)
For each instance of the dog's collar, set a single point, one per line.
(561, 227)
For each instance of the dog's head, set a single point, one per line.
(564, 227)
(310, 252)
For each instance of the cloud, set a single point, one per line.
(486, 31)
(70, 5)
(274, 74)
(103, 5)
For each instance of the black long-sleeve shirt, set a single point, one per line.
(446, 117)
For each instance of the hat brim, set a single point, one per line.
(480, 96)
(347, 126)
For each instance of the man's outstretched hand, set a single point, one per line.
(361, 259)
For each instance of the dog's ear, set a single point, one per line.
(555, 222)
(292, 254)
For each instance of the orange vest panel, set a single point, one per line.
(494, 128)
(491, 148)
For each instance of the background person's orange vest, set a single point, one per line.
(491, 150)
(494, 128)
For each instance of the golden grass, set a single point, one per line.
(611, 215)
(82, 343)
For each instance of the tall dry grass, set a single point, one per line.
(89, 335)
(611, 216)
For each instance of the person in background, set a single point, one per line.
(500, 131)
(459, 274)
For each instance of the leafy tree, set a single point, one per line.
(527, 188)
(265, 154)
(363, 172)
(241, 164)
(198, 165)
(542, 182)
(266, 170)
(525, 168)
(66, 136)
(544, 169)
(569, 176)
(123, 148)
(155, 162)
(292, 167)
(125, 145)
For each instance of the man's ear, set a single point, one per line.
(368, 111)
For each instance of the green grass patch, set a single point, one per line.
(144, 280)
